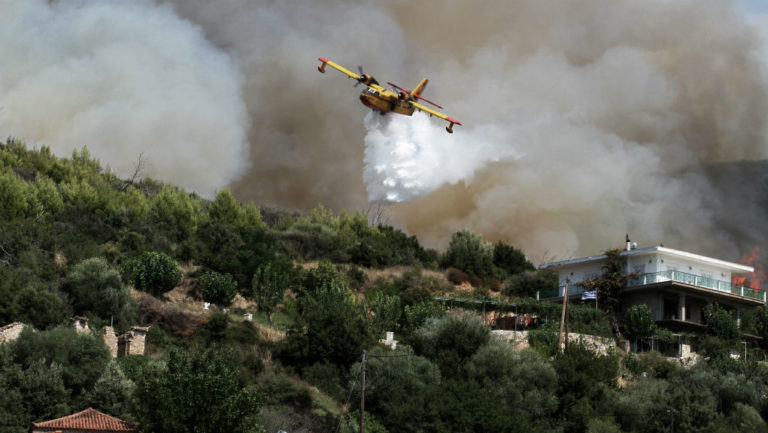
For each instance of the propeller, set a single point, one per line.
(362, 75)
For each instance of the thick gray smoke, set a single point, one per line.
(583, 119)
(128, 80)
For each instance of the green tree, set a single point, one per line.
(329, 326)
(385, 312)
(720, 322)
(755, 321)
(201, 391)
(609, 285)
(397, 387)
(155, 273)
(269, 283)
(30, 393)
(450, 341)
(175, 212)
(527, 283)
(15, 196)
(95, 287)
(217, 288)
(83, 357)
(521, 380)
(416, 315)
(583, 379)
(638, 323)
(469, 253)
(510, 260)
(225, 208)
(113, 393)
(41, 308)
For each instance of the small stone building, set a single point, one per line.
(79, 324)
(11, 331)
(130, 342)
(89, 420)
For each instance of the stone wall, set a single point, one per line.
(519, 339)
(138, 334)
(110, 339)
(11, 331)
(130, 342)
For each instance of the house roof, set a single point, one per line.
(87, 420)
(734, 267)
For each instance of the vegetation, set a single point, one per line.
(155, 273)
(324, 289)
(218, 288)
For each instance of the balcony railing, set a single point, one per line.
(681, 277)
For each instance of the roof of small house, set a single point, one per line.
(734, 267)
(87, 420)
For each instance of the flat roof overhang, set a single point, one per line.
(681, 287)
(696, 290)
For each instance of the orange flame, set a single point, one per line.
(755, 280)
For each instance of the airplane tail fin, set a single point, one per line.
(420, 88)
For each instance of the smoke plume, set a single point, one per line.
(583, 120)
(129, 80)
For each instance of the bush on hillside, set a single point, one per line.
(155, 273)
(217, 288)
(469, 253)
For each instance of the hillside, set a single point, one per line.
(322, 289)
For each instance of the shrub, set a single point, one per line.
(155, 273)
(456, 276)
(41, 308)
(450, 340)
(510, 260)
(527, 283)
(470, 254)
(95, 287)
(720, 322)
(638, 323)
(217, 288)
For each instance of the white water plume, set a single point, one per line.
(409, 157)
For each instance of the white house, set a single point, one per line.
(674, 284)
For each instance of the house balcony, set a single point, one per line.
(682, 279)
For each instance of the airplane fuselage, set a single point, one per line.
(382, 100)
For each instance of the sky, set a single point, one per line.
(754, 6)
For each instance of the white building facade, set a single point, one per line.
(676, 285)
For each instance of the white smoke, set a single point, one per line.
(125, 79)
(408, 158)
(582, 120)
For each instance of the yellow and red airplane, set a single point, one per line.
(384, 100)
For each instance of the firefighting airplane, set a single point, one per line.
(384, 100)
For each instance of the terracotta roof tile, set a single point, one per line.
(89, 419)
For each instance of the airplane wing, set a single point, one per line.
(432, 112)
(340, 68)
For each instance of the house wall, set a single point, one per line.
(665, 262)
(579, 273)
(654, 302)
(642, 264)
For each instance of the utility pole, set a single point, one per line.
(560, 345)
(362, 396)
